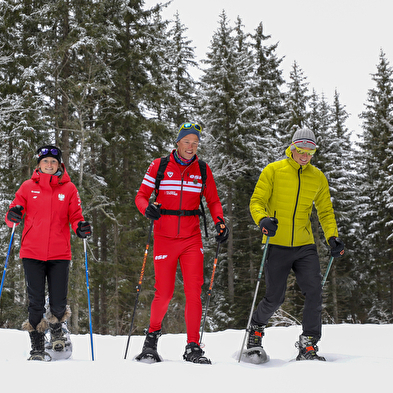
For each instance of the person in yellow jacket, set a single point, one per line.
(281, 206)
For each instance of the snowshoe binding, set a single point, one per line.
(194, 354)
(308, 348)
(149, 352)
(255, 353)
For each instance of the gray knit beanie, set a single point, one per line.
(304, 138)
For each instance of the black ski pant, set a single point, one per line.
(304, 261)
(56, 274)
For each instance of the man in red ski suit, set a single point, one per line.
(177, 236)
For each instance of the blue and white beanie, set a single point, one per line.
(304, 138)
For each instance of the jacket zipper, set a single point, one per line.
(294, 212)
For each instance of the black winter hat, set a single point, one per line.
(49, 151)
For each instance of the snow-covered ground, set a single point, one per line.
(360, 359)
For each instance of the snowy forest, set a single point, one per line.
(109, 82)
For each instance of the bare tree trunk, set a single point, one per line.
(231, 280)
(391, 291)
(104, 257)
(115, 261)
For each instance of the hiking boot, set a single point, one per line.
(255, 336)
(308, 348)
(151, 340)
(194, 354)
(149, 352)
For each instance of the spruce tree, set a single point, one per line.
(375, 215)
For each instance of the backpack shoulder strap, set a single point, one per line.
(202, 168)
(160, 173)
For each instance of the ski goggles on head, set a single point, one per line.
(305, 151)
(45, 151)
(187, 126)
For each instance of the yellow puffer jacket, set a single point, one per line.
(288, 190)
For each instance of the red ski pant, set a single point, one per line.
(167, 253)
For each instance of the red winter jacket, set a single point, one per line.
(179, 190)
(49, 206)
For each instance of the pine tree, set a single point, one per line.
(375, 214)
(226, 103)
(342, 178)
(297, 98)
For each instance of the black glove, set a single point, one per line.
(152, 212)
(15, 214)
(84, 229)
(222, 230)
(268, 226)
(337, 246)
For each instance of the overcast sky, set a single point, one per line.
(336, 43)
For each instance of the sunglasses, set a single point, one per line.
(45, 151)
(308, 152)
(186, 126)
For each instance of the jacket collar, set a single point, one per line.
(38, 176)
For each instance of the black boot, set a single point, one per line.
(149, 352)
(57, 337)
(255, 336)
(308, 348)
(37, 338)
(38, 347)
(59, 333)
(194, 354)
(255, 352)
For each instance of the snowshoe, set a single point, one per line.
(149, 355)
(194, 354)
(255, 355)
(58, 344)
(40, 356)
(308, 348)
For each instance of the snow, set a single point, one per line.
(360, 358)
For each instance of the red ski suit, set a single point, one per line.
(49, 206)
(178, 238)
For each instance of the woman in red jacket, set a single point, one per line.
(49, 202)
(177, 236)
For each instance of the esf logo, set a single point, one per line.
(158, 257)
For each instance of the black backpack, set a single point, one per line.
(160, 175)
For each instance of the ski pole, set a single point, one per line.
(209, 292)
(88, 300)
(6, 260)
(327, 271)
(255, 296)
(139, 286)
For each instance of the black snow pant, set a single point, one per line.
(56, 273)
(304, 261)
